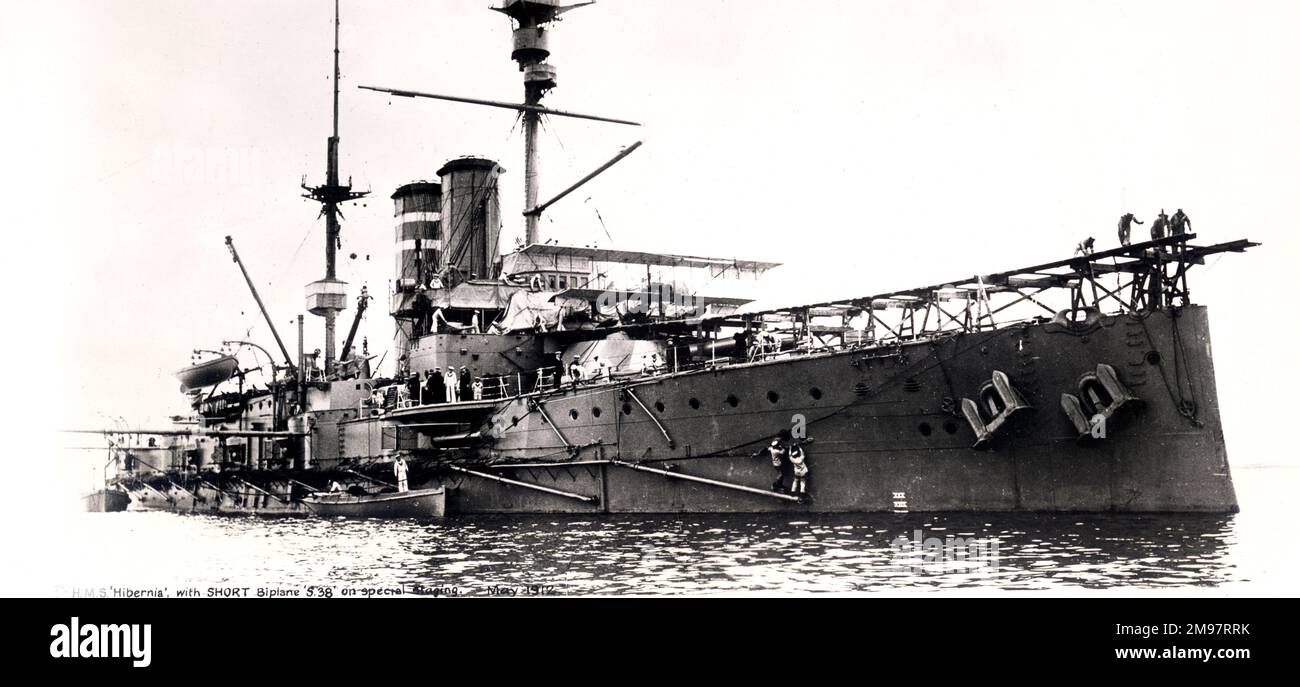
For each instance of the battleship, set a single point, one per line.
(568, 379)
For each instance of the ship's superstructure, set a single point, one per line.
(582, 379)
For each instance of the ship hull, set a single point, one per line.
(887, 431)
(886, 427)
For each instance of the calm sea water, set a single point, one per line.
(1252, 552)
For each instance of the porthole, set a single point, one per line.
(733, 401)
(925, 428)
(659, 406)
(595, 412)
(815, 393)
(950, 427)
(694, 403)
(573, 414)
(773, 397)
(627, 408)
(1153, 358)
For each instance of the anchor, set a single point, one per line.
(1000, 403)
(1101, 397)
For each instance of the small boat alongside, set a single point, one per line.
(106, 501)
(421, 503)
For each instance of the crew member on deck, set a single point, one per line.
(575, 371)
(439, 386)
(555, 372)
(742, 342)
(1180, 223)
(452, 380)
(466, 389)
(1126, 228)
(313, 366)
(427, 393)
(399, 471)
(1159, 226)
(350, 368)
(478, 388)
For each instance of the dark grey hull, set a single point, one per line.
(887, 431)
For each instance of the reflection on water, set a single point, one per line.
(659, 554)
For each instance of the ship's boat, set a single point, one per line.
(208, 373)
(422, 503)
(109, 500)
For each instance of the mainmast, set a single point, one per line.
(328, 297)
(531, 48)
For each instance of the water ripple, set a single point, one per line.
(658, 554)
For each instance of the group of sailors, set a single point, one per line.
(451, 386)
(789, 457)
(756, 345)
(599, 371)
(1162, 226)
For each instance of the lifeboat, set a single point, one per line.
(421, 503)
(208, 373)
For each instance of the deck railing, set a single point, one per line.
(549, 380)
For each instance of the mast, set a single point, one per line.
(531, 48)
(327, 297)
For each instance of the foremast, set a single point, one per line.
(328, 297)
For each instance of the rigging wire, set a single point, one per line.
(280, 269)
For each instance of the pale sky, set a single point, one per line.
(868, 145)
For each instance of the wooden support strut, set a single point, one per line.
(662, 429)
(192, 495)
(259, 490)
(169, 497)
(525, 485)
(371, 479)
(169, 481)
(213, 487)
(304, 485)
(704, 480)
